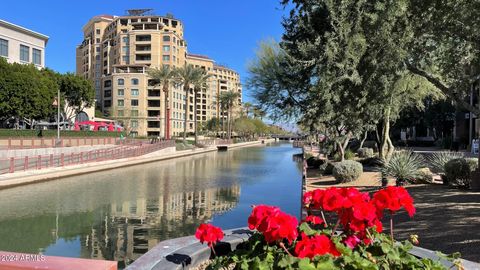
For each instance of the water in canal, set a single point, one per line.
(120, 214)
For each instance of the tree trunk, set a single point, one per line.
(342, 147)
(187, 92)
(167, 112)
(386, 147)
(363, 139)
(195, 115)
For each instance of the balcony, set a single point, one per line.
(154, 93)
(153, 103)
(143, 48)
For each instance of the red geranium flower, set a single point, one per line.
(273, 223)
(209, 234)
(309, 247)
(314, 220)
(393, 198)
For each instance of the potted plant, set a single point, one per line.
(343, 230)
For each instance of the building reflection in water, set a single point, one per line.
(133, 227)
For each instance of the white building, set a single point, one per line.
(21, 45)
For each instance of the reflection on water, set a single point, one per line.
(121, 214)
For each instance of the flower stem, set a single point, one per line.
(282, 245)
(391, 226)
(213, 250)
(324, 219)
(336, 226)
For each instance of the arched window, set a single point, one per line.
(134, 81)
(121, 82)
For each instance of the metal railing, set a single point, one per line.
(25, 143)
(38, 162)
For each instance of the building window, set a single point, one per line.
(3, 47)
(107, 93)
(166, 38)
(24, 53)
(166, 58)
(98, 31)
(107, 103)
(134, 81)
(107, 83)
(120, 113)
(134, 92)
(121, 81)
(166, 48)
(134, 102)
(125, 49)
(120, 103)
(134, 113)
(97, 40)
(37, 57)
(126, 40)
(120, 92)
(134, 123)
(126, 59)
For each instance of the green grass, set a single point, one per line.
(29, 133)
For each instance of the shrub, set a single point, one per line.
(326, 168)
(458, 171)
(347, 171)
(403, 166)
(424, 176)
(314, 162)
(349, 154)
(437, 161)
(365, 152)
(371, 162)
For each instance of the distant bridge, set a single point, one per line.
(291, 137)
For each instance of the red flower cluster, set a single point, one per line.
(273, 223)
(314, 220)
(358, 214)
(316, 245)
(209, 234)
(393, 198)
(356, 211)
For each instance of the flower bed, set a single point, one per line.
(343, 230)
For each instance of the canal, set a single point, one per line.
(121, 214)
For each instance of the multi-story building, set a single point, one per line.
(22, 45)
(116, 53)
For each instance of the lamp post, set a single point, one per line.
(58, 115)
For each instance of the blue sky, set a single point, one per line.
(228, 31)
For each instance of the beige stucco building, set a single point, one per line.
(116, 53)
(22, 45)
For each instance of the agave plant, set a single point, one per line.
(438, 160)
(403, 166)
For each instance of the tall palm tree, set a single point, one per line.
(229, 98)
(247, 106)
(199, 83)
(163, 77)
(186, 76)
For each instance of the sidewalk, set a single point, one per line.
(36, 176)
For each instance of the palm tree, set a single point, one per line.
(258, 112)
(186, 76)
(163, 76)
(228, 99)
(199, 83)
(247, 106)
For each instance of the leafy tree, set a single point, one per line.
(24, 92)
(163, 77)
(77, 93)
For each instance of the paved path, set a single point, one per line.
(447, 220)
